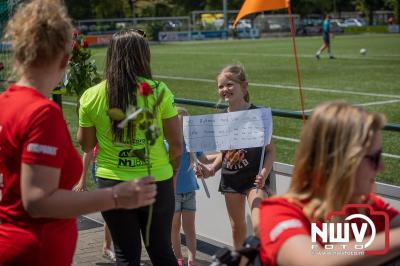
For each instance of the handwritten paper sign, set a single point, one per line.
(228, 131)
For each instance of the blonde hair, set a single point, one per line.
(332, 145)
(236, 74)
(39, 32)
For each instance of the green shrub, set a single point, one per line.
(369, 29)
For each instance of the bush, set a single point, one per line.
(82, 73)
(369, 29)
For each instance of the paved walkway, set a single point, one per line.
(90, 241)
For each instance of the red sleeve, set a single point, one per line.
(380, 205)
(279, 221)
(45, 141)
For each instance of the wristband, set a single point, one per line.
(115, 197)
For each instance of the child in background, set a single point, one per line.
(87, 158)
(185, 202)
(240, 176)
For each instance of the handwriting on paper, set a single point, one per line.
(227, 131)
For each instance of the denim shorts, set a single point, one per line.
(185, 201)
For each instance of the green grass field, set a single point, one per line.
(372, 81)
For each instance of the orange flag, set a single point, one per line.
(253, 6)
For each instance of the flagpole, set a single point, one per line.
(292, 31)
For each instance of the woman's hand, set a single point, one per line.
(135, 193)
(260, 181)
(80, 186)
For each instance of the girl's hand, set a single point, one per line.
(202, 170)
(135, 193)
(260, 181)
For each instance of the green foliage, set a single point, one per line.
(152, 29)
(270, 69)
(82, 73)
(368, 29)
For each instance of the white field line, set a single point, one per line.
(374, 57)
(363, 104)
(275, 137)
(391, 155)
(277, 86)
(378, 103)
(394, 156)
(286, 139)
(70, 103)
(358, 57)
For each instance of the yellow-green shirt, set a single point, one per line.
(114, 161)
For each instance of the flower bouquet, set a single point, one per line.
(82, 73)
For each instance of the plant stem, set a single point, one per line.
(150, 215)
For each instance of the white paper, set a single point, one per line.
(228, 131)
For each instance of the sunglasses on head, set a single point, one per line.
(375, 158)
(138, 31)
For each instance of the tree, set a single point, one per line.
(395, 6)
(78, 9)
(111, 8)
(367, 7)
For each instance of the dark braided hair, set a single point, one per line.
(128, 56)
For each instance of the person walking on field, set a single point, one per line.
(38, 162)
(326, 37)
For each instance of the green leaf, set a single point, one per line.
(116, 114)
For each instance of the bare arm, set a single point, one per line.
(41, 196)
(209, 158)
(209, 170)
(87, 158)
(297, 251)
(173, 135)
(87, 138)
(267, 167)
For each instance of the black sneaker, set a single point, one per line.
(332, 57)
(317, 56)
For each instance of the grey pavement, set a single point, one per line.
(90, 241)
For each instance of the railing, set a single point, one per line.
(216, 230)
(275, 112)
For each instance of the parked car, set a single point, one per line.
(242, 24)
(309, 27)
(274, 25)
(335, 28)
(172, 25)
(338, 22)
(354, 22)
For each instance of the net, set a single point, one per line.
(7, 8)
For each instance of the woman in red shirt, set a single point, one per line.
(337, 160)
(38, 163)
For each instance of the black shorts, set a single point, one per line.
(239, 185)
(326, 38)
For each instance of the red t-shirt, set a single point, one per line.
(33, 131)
(280, 219)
